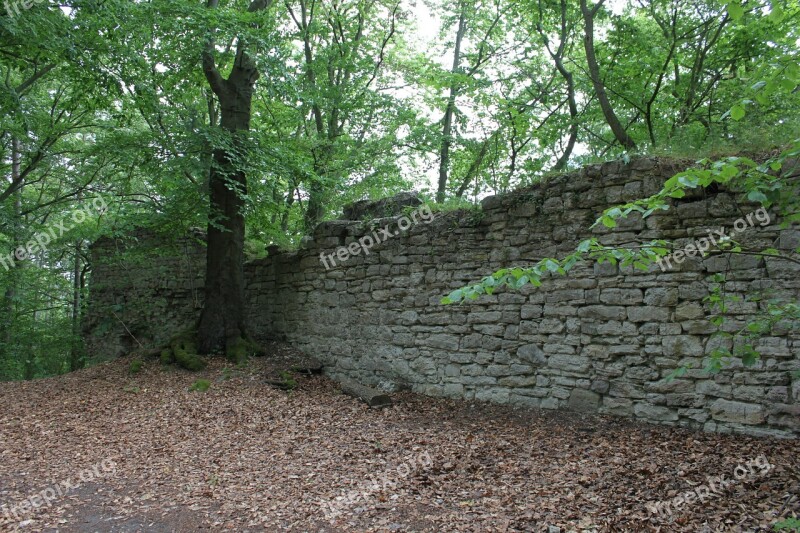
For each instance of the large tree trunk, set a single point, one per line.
(594, 72)
(222, 322)
(8, 316)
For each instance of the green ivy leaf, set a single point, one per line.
(678, 193)
(608, 222)
(749, 356)
(551, 265)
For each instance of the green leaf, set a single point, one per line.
(738, 112)
(756, 196)
(735, 10)
(750, 356)
(788, 85)
(678, 372)
(608, 221)
(776, 13)
(551, 265)
(677, 193)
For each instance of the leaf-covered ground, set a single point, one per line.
(244, 456)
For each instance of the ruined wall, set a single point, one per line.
(598, 340)
(144, 288)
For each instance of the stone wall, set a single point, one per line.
(143, 289)
(599, 340)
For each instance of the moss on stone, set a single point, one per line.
(240, 349)
(201, 385)
(182, 351)
(166, 357)
(186, 356)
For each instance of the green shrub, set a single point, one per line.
(135, 366)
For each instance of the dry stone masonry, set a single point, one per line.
(144, 288)
(598, 340)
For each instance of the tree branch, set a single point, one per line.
(215, 80)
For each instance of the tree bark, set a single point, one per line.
(447, 122)
(222, 322)
(594, 72)
(75, 361)
(368, 395)
(558, 59)
(475, 167)
(9, 309)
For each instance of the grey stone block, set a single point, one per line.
(584, 400)
(738, 412)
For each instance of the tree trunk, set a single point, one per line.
(447, 126)
(9, 309)
(222, 322)
(75, 361)
(475, 167)
(368, 395)
(558, 59)
(594, 72)
(315, 210)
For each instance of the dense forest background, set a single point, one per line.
(114, 116)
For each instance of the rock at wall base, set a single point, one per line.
(308, 366)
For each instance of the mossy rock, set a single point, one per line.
(201, 385)
(240, 349)
(183, 352)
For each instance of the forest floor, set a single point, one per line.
(115, 452)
